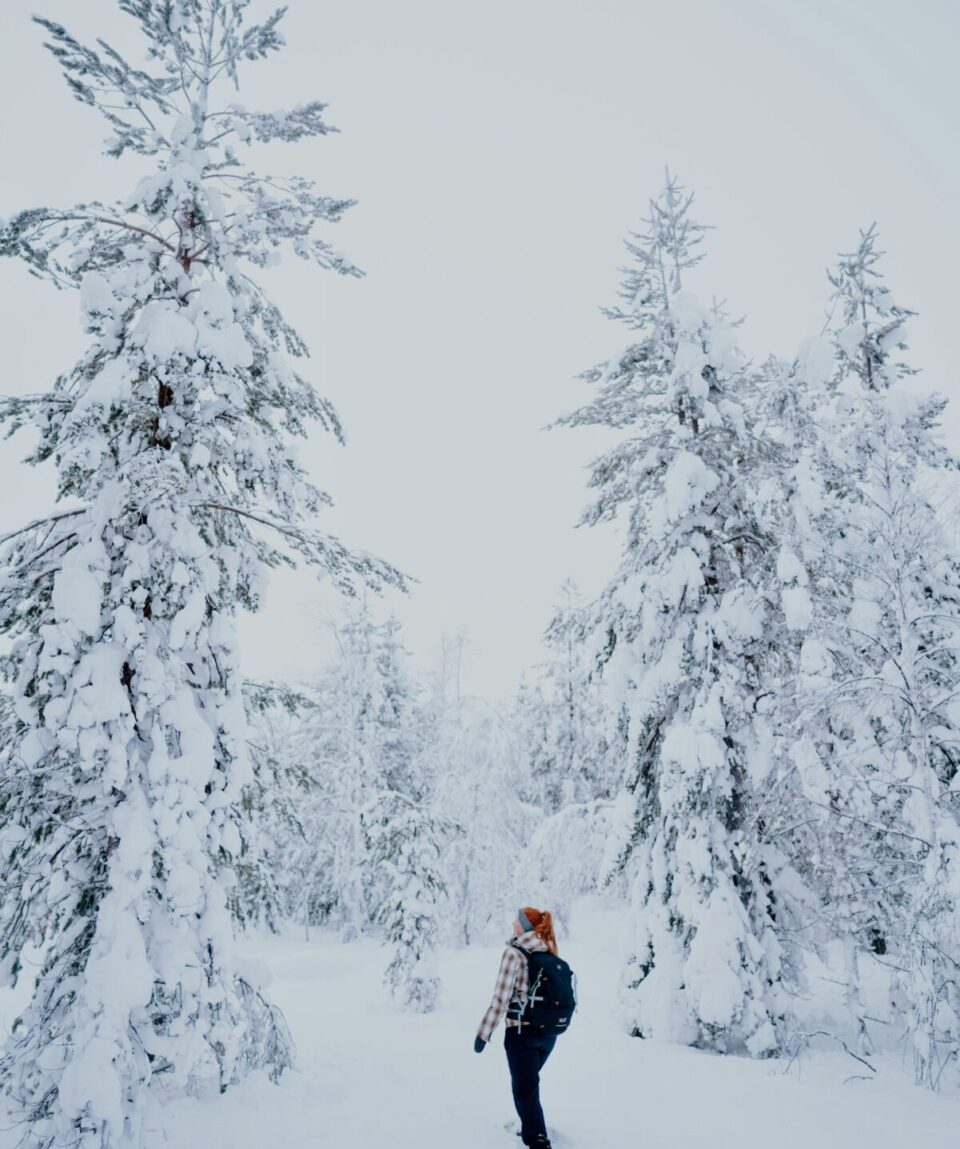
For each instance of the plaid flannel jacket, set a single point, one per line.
(512, 982)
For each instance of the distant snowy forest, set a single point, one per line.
(749, 740)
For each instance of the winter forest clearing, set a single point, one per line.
(239, 909)
(368, 1072)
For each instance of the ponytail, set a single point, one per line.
(542, 922)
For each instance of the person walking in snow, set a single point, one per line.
(527, 1051)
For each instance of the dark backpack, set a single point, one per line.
(552, 996)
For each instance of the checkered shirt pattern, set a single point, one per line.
(512, 982)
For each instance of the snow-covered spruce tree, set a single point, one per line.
(296, 799)
(811, 782)
(353, 765)
(531, 718)
(367, 848)
(880, 745)
(126, 761)
(688, 634)
(373, 794)
(406, 838)
(402, 720)
(573, 763)
(349, 766)
(271, 869)
(563, 720)
(362, 738)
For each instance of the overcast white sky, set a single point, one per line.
(500, 151)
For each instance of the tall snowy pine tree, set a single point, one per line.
(879, 746)
(124, 766)
(687, 634)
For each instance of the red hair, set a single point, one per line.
(542, 922)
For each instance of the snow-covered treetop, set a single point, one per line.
(668, 385)
(189, 355)
(170, 111)
(662, 253)
(870, 326)
(867, 330)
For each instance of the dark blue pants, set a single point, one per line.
(526, 1056)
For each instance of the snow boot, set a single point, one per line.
(537, 1143)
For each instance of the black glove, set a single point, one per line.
(479, 1045)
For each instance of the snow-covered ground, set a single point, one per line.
(369, 1075)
